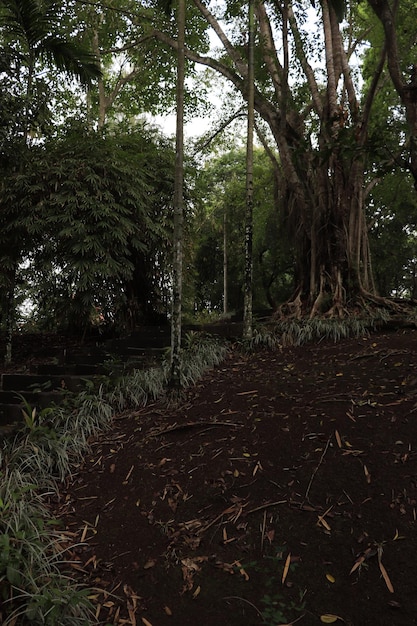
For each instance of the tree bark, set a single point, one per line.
(176, 325)
(247, 307)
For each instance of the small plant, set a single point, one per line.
(276, 606)
(264, 338)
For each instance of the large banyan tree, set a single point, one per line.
(310, 95)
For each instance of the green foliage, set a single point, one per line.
(34, 30)
(220, 192)
(92, 213)
(393, 215)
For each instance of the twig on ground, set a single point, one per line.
(187, 425)
(266, 506)
(317, 469)
(247, 602)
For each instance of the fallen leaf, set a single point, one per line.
(286, 568)
(385, 574)
(149, 564)
(338, 439)
(196, 592)
(167, 610)
(329, 618)
(146, 621)
(84, 534)
(330, 578)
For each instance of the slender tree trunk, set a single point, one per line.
(175, 380)
(225, 264)
(247, 309)
(10, 315)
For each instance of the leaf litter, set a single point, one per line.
(179, 511)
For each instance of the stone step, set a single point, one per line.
(71, 369)
(45, 382)
(10, 414)
(40, 400)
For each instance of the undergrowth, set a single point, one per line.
(34, 588)
(296, 332)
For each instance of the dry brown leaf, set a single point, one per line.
(385, 574)
(357, 564)
(338, 439)
(167, 610)
(196, 592)
(84, 534)
(146, 621)
(286, 568)
(323, 522)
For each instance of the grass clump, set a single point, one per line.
(297, 332)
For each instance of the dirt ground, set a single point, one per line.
(283, 489)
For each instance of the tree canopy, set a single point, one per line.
(86, 192)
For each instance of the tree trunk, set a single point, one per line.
(247, 307)
(225, 265)
(175, 380)
(10, 315)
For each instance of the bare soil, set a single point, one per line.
(283, 487)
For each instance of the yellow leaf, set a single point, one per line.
(330, 578)
(339, 374)
(236, 473)
(246, 454)
(146, 622)
(328, 618)
(286, 568)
